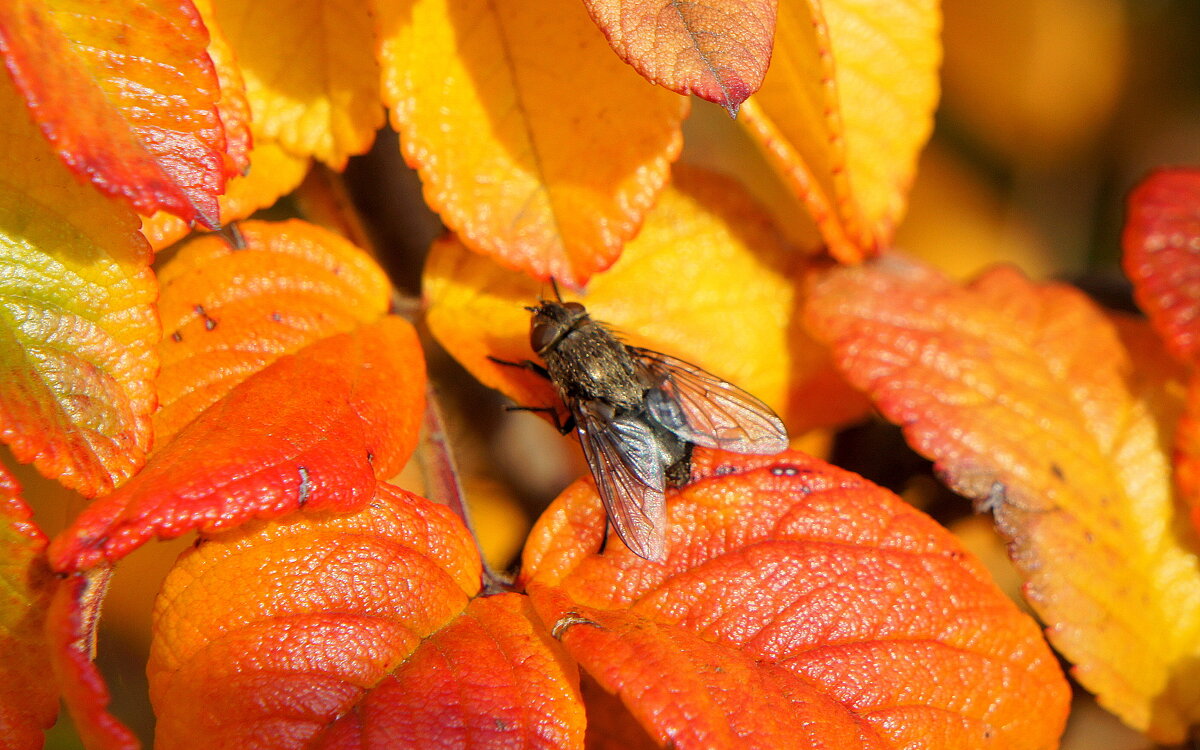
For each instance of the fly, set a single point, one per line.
(638, 413)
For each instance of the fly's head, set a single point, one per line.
(551, 322)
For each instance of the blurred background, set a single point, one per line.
(1051, 111)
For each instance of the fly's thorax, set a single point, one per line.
(590, 363)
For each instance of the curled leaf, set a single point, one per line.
(314, 430)
(229, 312)
(1027, 400)
(845, 109)
(547, 168)
(718, 51)
(28, 701)
(1162, 256)
(127, 94)
(77, 323)
(798, 606)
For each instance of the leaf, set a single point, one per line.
(549, 168)
(272, 174)
(1187, 451)
(71, 630)
(312, 82)
(707, 280)
(1162, 256)
(127, 95)
(845, 109)
(314, 430)
(1027, 401)
(233, 106)
(228, 313)
(492, 677)
(798, 606)
(77, 324)
(28, 701)
(717, 51)
(358, 630)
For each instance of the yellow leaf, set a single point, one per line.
(310, 73)
(845, 108)
(77, 322)
(533, 141)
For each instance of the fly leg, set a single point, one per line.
(564, 427)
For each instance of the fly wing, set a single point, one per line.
(701, 408)
(627, 463)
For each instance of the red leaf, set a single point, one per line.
(492, 678)
(71, 628)
(798, 606)
(127, 94)
(313, 430)
(1162, 256)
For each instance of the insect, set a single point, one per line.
(638, 413)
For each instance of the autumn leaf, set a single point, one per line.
(717, 51)
(77, 324)
(549, 168)
(71, 632)
(127, 94)
(358, 630)
(798, 606)
(312, 82)
(28, 701)
(703, 233)
(273, 172)
(1162, 256)
(229, 312)
(845, 109)
(1028, 402)
(233, 106)
(314, 430)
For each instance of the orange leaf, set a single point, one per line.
(1027, 401)
(127, 94)
(549, 168)
(312, 81)
(717, 51)
(798, 606)
(1162, 256)
(491, 678)
(228, 313)
(71, 630)
(844, 110)
(314, 430)
(707, 280)
(28, 700)
(77, 324)
(268, 634)
(272, 173)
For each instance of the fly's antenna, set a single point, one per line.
(554, 286)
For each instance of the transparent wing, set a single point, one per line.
(627, 463)
(701, 408)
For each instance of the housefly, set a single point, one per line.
(638, 413)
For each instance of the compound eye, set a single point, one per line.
(575, 308)
(542, 333)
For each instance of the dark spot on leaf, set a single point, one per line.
(1057, 471)
(209, 324)
(305, 487)
(1087, 537)
(724, 470)
(275, 316)
(500, 724)
(177, 337)
(370, 458)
